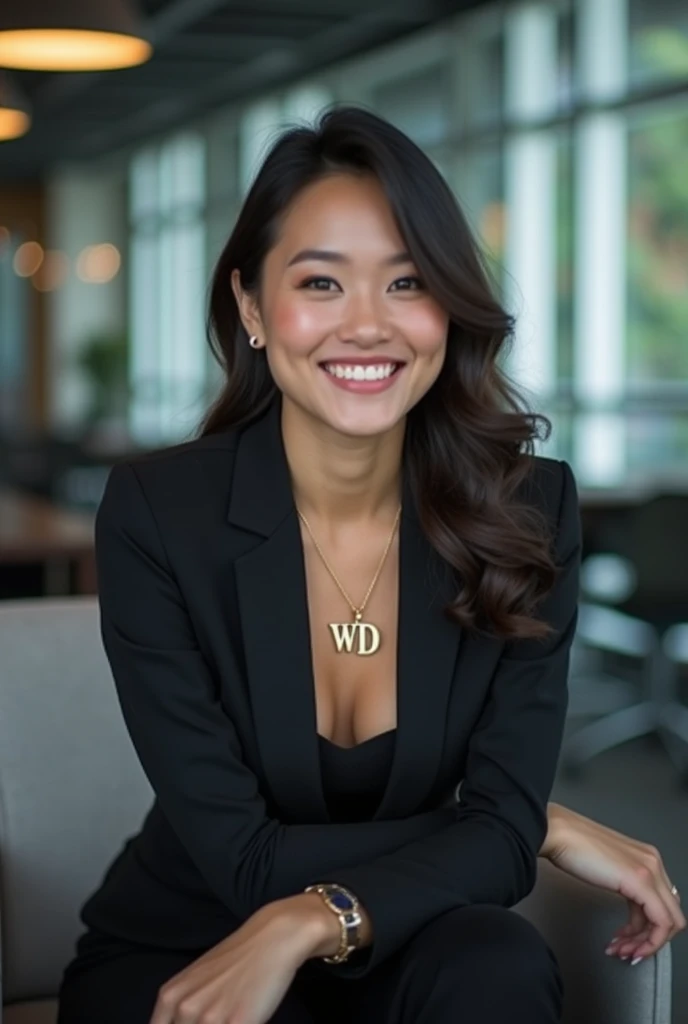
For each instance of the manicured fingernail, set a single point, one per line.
(610, 950)
(625, 957)
(636, 960)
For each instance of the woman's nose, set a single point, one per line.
(365, 321)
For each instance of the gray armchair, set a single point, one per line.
(71, 791)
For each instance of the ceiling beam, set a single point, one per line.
(285, 25)
(264, 71)
(219, 44)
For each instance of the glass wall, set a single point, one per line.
(562, 127)
(167, 288)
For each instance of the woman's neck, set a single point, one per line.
(340, 479)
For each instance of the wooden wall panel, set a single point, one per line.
(22, 210)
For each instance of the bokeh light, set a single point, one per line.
(98, 264)
(28, 258)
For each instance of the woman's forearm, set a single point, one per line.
(557, 817)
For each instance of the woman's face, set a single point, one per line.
(352, 337)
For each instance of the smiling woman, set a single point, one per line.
(339, 624)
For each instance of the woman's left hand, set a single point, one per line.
(599, 855)
(243, 979)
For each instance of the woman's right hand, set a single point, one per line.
(608, 859)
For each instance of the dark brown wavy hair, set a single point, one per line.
(469, 441)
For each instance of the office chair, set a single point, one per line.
(650, 598)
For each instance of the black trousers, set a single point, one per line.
(475, 965)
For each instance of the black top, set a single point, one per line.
(354, 778)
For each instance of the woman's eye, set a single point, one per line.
(407, 284)
(320, 284)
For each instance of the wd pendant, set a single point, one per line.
(364, 634)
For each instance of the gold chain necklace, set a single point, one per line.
(344, 633)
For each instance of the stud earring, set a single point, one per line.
(253, 341)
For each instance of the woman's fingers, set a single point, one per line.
(637, 922)
(629, 937)
(648, 891)
(664, 887)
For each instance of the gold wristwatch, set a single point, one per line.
(347, 908)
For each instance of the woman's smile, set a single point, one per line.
(363, 376)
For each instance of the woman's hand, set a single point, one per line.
(599, 855)
(245, 977)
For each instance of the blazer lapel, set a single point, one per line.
(427, 648)
(271, 587)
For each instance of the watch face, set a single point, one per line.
(341, 901)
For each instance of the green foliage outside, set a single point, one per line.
(104, 361)
(658, 250)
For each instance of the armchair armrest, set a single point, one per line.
(578, 920)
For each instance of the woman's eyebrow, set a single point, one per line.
(330, 256)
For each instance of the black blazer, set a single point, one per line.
(205, 624)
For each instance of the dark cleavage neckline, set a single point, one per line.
(356, 746)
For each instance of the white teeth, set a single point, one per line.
(349, 372)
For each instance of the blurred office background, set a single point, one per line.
(562, 126)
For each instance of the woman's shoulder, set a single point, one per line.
(547, 483)
(181, 458)
(547, 472)
(222, 441)
(193, 474)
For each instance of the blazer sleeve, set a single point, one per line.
(489, 854)
(188, 746)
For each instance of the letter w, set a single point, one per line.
(344, 633)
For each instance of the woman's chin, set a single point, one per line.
(364, 423)
(349, 416)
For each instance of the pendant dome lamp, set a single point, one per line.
(71, 35)
(15, 116)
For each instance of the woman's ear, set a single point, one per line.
(247, 304)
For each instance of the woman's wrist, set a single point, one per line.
(557, 816)
(317, 928)
(314, 928)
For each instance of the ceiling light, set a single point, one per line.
(15, 119)
(71, 35)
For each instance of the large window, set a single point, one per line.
(169, 365)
